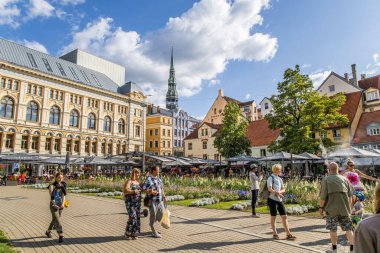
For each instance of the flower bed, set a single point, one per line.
(204, 201)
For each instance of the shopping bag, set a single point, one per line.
(165, 221)
(67, 203)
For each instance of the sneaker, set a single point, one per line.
(145, 212)
(332, 251)
(255, 216)
(156, 235)
(60, 239)
(48, 234)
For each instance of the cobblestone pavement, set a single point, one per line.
(93, 224)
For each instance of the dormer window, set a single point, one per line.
(373, 129)
(373, 95)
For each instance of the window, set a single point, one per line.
(204, 144)
(103, 148)
(150, 132)
(168, 144)
(54, 115)
(9, 140)
(34, 145)
(190, 146)
(374, 131)
(175, 143)
(216, 157)
(76, 146)
(47, 65)
(24, 142)
(266, 106)
(214, 110)
(94, 147)
(175, 132)
(205, 157)
(168, 132)
(87, 147)
(91, 121)
(156, 144)
(73, 72)
(206, 132)
(34, 90)
(331, 88)
(336, 133)
(61, 95)
(150, 144)
(163, 132)
(6, 107)
(203, 132)
(109, 148)
(137, 131)
(51, 95)
(68, 145)
(15, 85)
(163, 144)
(74, 118)
(121, 126)
(57, 145)
(323, 135)
(263, 152)
(61, 69)
(85, 76)
(155, 131)
(2, 82)
(179, 143)
(48, 143)
(39, 91)
(107, 124)
(32, 111)
(31, 60)
(9, 84)
(373, 95)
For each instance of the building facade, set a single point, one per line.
(159, 135)
(53, 106)
(260, 137)
(200, 143)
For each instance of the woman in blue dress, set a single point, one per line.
(132, 197)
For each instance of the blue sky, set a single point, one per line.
(241, 46)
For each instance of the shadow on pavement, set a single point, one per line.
(197, 221)
(100, 214)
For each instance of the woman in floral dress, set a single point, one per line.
(132, 193)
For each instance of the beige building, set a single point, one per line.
(214, 116)
(335, 83)
(200, 143)
(53, 106)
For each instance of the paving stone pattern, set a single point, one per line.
(93, 224)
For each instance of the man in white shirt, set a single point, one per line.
(255, 187)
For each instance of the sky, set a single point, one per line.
(240, 46)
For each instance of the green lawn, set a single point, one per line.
(4, 244)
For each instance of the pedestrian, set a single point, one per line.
(57, 191)
(276, 202)
(132, 197)
(367, 233)
(335, 200)
(353, 175)
(255, 180)
(358, 210)
(153, 186)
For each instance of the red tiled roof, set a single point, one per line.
(246, 103)
(361, 132)
(259, 133)
(372, 82)
(351, 105)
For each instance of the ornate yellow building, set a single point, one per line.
(51, 106)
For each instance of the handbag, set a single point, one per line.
(67, 203)
(147, 200)
(165, 221)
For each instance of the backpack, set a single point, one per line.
(265, 192)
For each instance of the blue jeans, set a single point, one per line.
(255, 194)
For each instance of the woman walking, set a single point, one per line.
(132, 193)
(275, 202)
(57, 191)
(255, 179)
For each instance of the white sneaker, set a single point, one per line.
(156, 234)
(255, 216)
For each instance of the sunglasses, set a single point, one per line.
(351, 165)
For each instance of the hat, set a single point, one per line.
(253, 166)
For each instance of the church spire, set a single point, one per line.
(172, 94)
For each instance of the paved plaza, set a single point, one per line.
(93, 224)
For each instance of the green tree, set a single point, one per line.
(231, 138)
(299, 111)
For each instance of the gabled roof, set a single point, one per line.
(194, 134)
(229, 99)
(246, 103)
(32, 59)
(263, 100)
(259, 133)
(351, 105)
(338, 76)
(372, 82)
(361, 135)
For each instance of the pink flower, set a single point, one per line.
(353, 178)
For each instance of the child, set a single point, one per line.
(357, 212)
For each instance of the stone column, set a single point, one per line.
(82, 150)
(41, 146)
(17, 137)
(89, 147)
(30, 136)
(52, 142)
(63, 145)
(2, 142)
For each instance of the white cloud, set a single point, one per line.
(305, 66)
(374, 67)
(205, 38)
(39, 8)
(319, 76)
(200, 117)
(35, 45)
(247, 96)
(213, 82)
(9, 12)
(71, 2)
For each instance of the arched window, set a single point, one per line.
(32, 112)
(91, 121)
(74, 118)
(6, 109)
(54, 115)
(121, 126)
(107, 124)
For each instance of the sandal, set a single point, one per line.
(290, 237)
(276, 237)
(128, 236)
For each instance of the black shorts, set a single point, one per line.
(275, 206)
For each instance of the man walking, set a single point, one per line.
(335, 199)
(153, 186)
(255, 187)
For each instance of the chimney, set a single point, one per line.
(220, 93)
(346, 77)
(158, 109)
(354, 79)
(362, 76)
